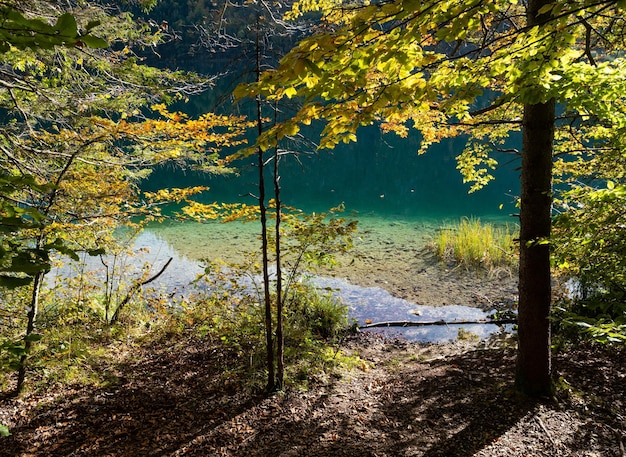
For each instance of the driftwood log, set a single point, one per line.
(439, 322)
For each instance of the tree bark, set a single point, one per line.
(30, 328)
(269, 338)
(280, 338)
(533, 371)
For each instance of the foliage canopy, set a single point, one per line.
(467, 69)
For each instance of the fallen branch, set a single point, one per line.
(134, 289)
(439, 322)
(546, 431)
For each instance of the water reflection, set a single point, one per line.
(373, 304)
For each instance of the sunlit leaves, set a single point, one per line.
(225, 212)
(449, 68)
(589, 246)
(78, 134)
(173, 195)
(387, 63)
(475, 165)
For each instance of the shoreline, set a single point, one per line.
(392, 255)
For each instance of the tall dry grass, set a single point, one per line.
(473, 244)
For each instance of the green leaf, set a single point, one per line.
(545, 9)
(33, 337)
(12, 282)
(4, 430)
(60, 246)
(30, 261)
(242, 90)
(94, 42)
(66, 25)
(92, 25)
(17, 349)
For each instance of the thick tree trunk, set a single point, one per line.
(533, 359)
(533, 373)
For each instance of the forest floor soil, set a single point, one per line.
(406, 399)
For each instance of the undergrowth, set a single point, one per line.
(76, 346)
(314, 325)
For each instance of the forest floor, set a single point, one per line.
(406, 399)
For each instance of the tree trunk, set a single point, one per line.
(533, 358)
(269, 337)
(30, 329)
(280, 338)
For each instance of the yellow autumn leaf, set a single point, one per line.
(291, 92)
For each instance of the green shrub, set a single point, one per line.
(321, 315)
(313, 323)
(588, 246)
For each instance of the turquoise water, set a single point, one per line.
(380, 176)
(380, 179)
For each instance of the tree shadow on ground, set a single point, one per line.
(175, 402)
(470, 403)
(157, 403)
(452, 407)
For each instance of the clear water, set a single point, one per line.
(374, 304)
(365, 304)
(380, 178)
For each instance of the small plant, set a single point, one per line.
(466, 335)
(320, 314)
(573, 321)
(472, 244)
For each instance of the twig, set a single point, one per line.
(135, 288)
(545, 430)
(620, 439)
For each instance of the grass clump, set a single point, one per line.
(473, 244)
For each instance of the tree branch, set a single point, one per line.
(435, 323)
(134, 289)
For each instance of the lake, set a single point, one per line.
(400, 197)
